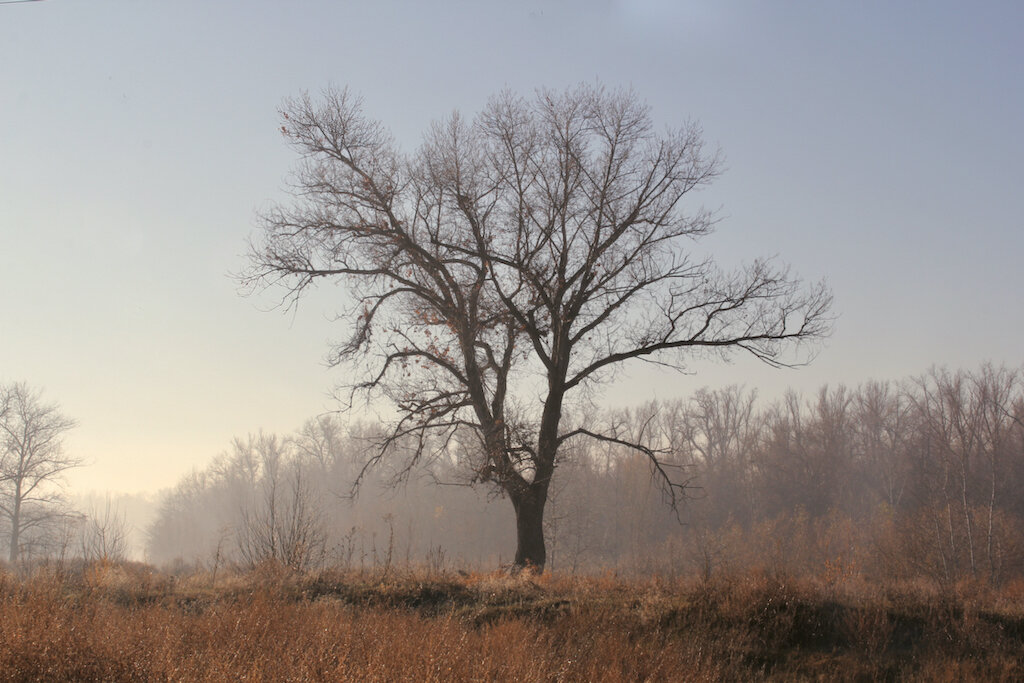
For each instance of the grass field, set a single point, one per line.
(130, 622)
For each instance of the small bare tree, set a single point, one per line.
(32, 461)
(104, 534)
(283, 521)
(514, 261)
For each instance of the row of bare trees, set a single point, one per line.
(902, 479)
(909, 479)
(291, 500)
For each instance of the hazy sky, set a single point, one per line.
(870, 143)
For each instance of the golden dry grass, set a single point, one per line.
(126, 623)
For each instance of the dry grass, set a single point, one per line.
(125, 623)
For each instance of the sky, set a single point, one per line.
(873, 144)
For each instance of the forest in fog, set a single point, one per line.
(889, 480)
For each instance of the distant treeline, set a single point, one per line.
(890, 480)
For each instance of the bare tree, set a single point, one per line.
(721, 429)
(884, 434)
(104, 534)
(513, 262)
(992, 391)
(32, 460)
(321, 440)
(283, 521)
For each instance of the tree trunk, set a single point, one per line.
(15, 530)
(529, 505)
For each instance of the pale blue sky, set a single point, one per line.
(876, 145)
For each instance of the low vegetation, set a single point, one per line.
(105, 621)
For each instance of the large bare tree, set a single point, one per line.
(511, 263)
(32, 460)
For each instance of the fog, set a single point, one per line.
(915, 478)
(892, 479)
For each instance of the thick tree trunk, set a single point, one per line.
(529, 505)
